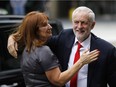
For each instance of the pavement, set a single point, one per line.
(105, 29)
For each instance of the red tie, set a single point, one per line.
(73, 82)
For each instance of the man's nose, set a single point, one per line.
(79, 25)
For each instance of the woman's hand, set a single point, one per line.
(12, 46)
(88, 57)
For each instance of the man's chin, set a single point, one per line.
(80, 38)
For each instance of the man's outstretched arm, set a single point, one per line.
(12, 46)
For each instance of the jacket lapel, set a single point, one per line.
(68, 47)
(91, 66)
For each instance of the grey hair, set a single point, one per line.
(86, 10)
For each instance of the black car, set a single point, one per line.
(10, 72)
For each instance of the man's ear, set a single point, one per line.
(93, 24)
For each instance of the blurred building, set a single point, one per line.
(63, 9)
(100, 7)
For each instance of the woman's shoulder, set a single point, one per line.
(43, 49)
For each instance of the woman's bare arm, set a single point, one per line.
(59, 78)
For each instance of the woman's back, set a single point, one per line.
(34, 65)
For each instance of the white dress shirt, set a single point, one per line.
(82, 73)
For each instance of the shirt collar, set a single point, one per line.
(85, 43)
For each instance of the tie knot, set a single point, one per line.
(79, 45)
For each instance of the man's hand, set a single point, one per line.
(12, 46)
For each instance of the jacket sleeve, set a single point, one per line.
(112, 69)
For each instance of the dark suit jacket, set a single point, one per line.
(101, 71)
